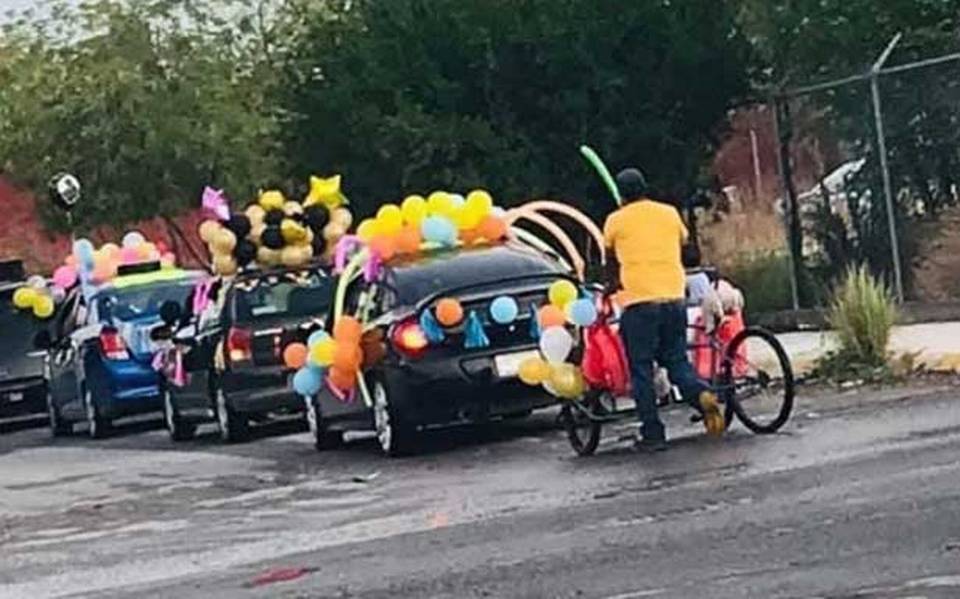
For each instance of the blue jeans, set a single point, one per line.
(657, 332)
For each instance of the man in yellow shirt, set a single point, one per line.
(646, 238)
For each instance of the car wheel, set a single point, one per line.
(179, 429)
(58, 426)
(98, 426)
(323, 437)
(234, 427)
(395, 437)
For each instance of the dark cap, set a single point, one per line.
(632, 184)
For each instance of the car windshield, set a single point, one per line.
(287, 295)
(141, 301)
(462, 268)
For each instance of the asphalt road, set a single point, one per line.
(859, 497)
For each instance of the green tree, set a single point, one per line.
(145, 102)
(414, 95)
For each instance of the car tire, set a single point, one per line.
(323, 437)
(234, 426)
(58, 426)
(98, 427)
(395, 435)
(179, 428)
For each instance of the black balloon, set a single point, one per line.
(239, 224)
(319, 245)
(245, 252)
(272, 238)
(274, 217)
(317, 217)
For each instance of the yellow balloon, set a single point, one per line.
(292, 231)
(567, 381)
(25, 297)
(368, 229)
(480, 203)
(414, 210)
(209, 230)
(467, 219)
(321, 354)
(325, 191)
(389, 219)
(43, 306)
(272, 200)
(224, 264)
(562, 293)
(534, 371)
(224, 241)
(440, 204)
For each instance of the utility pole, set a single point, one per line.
(792, 213)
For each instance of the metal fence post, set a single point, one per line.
(885, 167)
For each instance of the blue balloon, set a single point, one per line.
(316, 337)
(504, 310)
(583, 312)
(83, 250)
(307, 382)
(434, 229)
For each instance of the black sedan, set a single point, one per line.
(231, 353)
(23, 390)
(423, 384)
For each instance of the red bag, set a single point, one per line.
(605, 366)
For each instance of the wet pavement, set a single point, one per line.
(858, 498)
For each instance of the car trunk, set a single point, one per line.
(270, 336)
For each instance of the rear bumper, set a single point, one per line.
(125, 388)
(23, 396)
(260, 391)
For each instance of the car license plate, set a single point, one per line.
(508, 365)
(15, 397)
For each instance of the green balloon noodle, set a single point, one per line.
(594, 159)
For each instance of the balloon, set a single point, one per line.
(168, 260)
(342, 217)
(111, 250)
(267, 256)
(480, 202)
(562, 293)
(504, 310)
(58, 295)
(245, 252)
(295, 356)
(567, 381)
(469, 236)
(129, 256)
(343, 379)
(347, 357)
(240, 224)
(449, 312)
(534, 371)
(72, 261)
(347, 330)
(208, 230)
(321, 353)
(467, 219)
(384, 246)
(291, 256)
(225, 265)
(291, 208)
(147, 251)
(65, 277)
(25, 297)
(414, 210)
(43, 306)
(255, 214)
(439, 230)
(132, 239)
(307, 382)
(408, 240)
(224, 241)
(389, 219)
(105, 271)
(325, 191)
(556, 344)
(367, 230)
(272, 200)
(272, 238)
(582, 312)
(316, 217)
(551, 316)
(317, 337)
(440, 204)
(37, 282)
(273, 218)
(492, 228)
(333, 232)
(292, 231)
(83, 251)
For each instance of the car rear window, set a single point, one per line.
(142, 301)
(289, 295)
(466, 267)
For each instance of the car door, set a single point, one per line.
(64, 355)
(198, 356)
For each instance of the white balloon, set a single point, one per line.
(37, 282)
(556, 344)
(58, 295)
(133, 239)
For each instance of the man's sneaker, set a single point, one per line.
(641, 445)
(713, 418)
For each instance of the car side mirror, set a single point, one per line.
(42, 341)
(170, 313)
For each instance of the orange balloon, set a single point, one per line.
(347, 330)
(342, 379)
(295, 355)
(409, 240)
(449, 312)
(347, 357)
(470, 236)
(384, 246)
(552, 316)
(492, 228)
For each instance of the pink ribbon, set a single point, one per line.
(201, 297)
(215, 202)
(346, 246)
(372, 268)
(341, 396)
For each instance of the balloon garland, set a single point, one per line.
(275, 230)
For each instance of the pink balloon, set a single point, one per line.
(129, 255)
(65, 277)
(168, 259)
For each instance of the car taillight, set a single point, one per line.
(239, 345)
(409, 338)
(112, 345)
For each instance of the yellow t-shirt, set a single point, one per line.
(647, 237)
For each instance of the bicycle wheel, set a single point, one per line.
(583, 432)
(758, 381)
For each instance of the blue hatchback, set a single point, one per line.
(99, 364)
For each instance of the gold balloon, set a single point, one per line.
(209, 230)
(224, 264)
(43, 306)
(25, 297)
(291, 256)
(268, 257)
(292, 208)
(272, 200)
(567, 381)
(534, 371)
(256, 214)
(224, 241)
(325, 191)
(334, 231)
(256, 232)
(342, 217)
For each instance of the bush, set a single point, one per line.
(765, 281)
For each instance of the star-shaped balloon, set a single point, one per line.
(326, 192)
